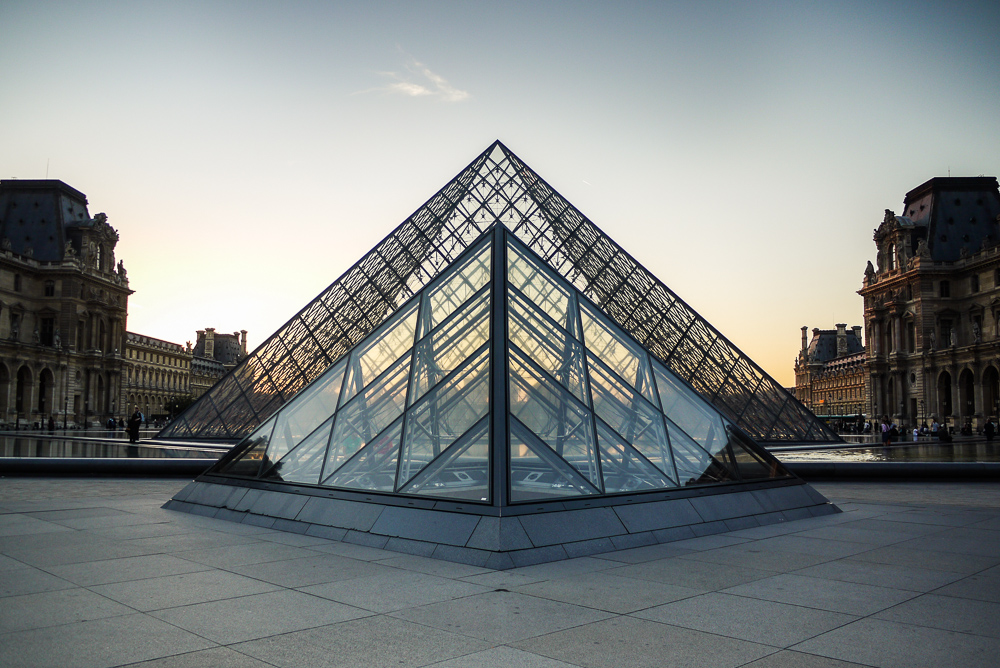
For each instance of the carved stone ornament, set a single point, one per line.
(69, 251)
(922, 249)
(5, 244)
(963, 252)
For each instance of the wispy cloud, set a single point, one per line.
(417, 80)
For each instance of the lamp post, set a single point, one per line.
(65, 411)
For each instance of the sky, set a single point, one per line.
(248, 153)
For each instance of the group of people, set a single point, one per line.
(937, 431)
(133, 424)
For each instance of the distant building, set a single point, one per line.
(215, 354)
(63, 307)
(830, 375)
(932, 305)
(157, 372)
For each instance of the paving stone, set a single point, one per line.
(250, 617)
(765, 622)
(500, 617)
(640, 643)
(393, 589)
(373, 642)
(877, 642)
(97, 644)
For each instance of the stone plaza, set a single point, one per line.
(95, 573)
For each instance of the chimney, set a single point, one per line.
(857, 332)
(210, 343)
(841, 339)
(243, 341)
(805, 339)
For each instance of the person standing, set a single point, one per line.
(134, 423)
(990, 430)
(886, 438)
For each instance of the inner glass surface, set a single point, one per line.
(589, 411)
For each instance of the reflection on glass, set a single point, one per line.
(547, 345)
(444, 414)
(374, 466)
(694, 465)
(440, 353)
(455, 290)
(313, 405)
(253, 454)
(366, 415)
(552, 414)
(689, 411)
(753, 466)
(460, 472)
(623, 468)
(537, 473)
(553, 299)
(631, 416)
(305, 462)
(621, 354)
(373, 357)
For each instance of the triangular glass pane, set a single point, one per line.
(374, 466)
(753, 466)
(552, 413)
(311, 407)
(537, 474)
(455, 290)
(304, 462)
(378, 353)
(553, 299)
(444, 350)
(447, 412)
(252, 452)
(547, 345)
(694, 465)
(624, 469)
(368, 414)
(689, 411)
(630, 415)
(625, 357)
(461, 472)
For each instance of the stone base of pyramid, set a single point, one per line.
(523, 535)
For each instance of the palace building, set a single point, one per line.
(63, 307)
(932, 306)
(830, 375)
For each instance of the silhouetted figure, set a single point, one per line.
(134, 423)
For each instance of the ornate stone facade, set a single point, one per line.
(932, 306)
(831, 377)
(63, 307)
(156, 372)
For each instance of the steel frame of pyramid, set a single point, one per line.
(500, 418)
(497, 187)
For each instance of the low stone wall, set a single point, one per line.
(502, 542)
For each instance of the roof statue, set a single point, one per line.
(497, 187)
(500, 414)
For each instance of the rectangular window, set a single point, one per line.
(947, 333)
(944, 289)
(974, 282)
(46, 331)
(50, 288)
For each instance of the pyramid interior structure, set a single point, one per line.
(497, 188)
(500, 416)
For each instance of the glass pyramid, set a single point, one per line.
(499, 383)
(497, 188)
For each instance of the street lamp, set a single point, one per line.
(65, 410)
